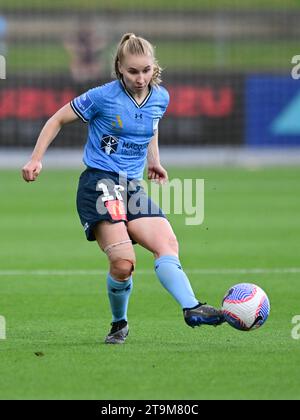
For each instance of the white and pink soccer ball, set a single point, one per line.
(246, 306)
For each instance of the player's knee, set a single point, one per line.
(121, 269)
(122, 260)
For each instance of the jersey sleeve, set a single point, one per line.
(88, 105)
(165, 99)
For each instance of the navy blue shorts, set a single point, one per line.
(104, 195)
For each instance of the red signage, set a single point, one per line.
(32, 103)
(186, 101)
(189, 101)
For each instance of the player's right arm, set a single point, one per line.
(50, 130)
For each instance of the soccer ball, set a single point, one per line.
(246, 306)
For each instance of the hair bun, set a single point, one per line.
(127, 36)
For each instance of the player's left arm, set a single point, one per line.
(155, 170)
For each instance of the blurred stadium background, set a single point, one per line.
(227, 66)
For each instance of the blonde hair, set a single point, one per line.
(135, 45)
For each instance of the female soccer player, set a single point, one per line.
(114, 209)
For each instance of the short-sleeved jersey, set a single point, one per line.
(120, 129)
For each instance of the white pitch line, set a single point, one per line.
(204, 271)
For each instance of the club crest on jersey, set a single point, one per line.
(109, 144)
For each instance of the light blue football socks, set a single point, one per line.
(119, 293)
(174, 279)
(171, 276)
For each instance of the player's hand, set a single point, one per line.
(31, 170)
(157, 173)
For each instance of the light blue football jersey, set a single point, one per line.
(120, 129)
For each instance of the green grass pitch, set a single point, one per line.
(56, 309)
(149, 5)
(173, 56)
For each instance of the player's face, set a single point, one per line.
(137, 71)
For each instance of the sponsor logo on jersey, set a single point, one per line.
(155, 124)
(133, 149)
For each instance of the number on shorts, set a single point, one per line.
(106, 195)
